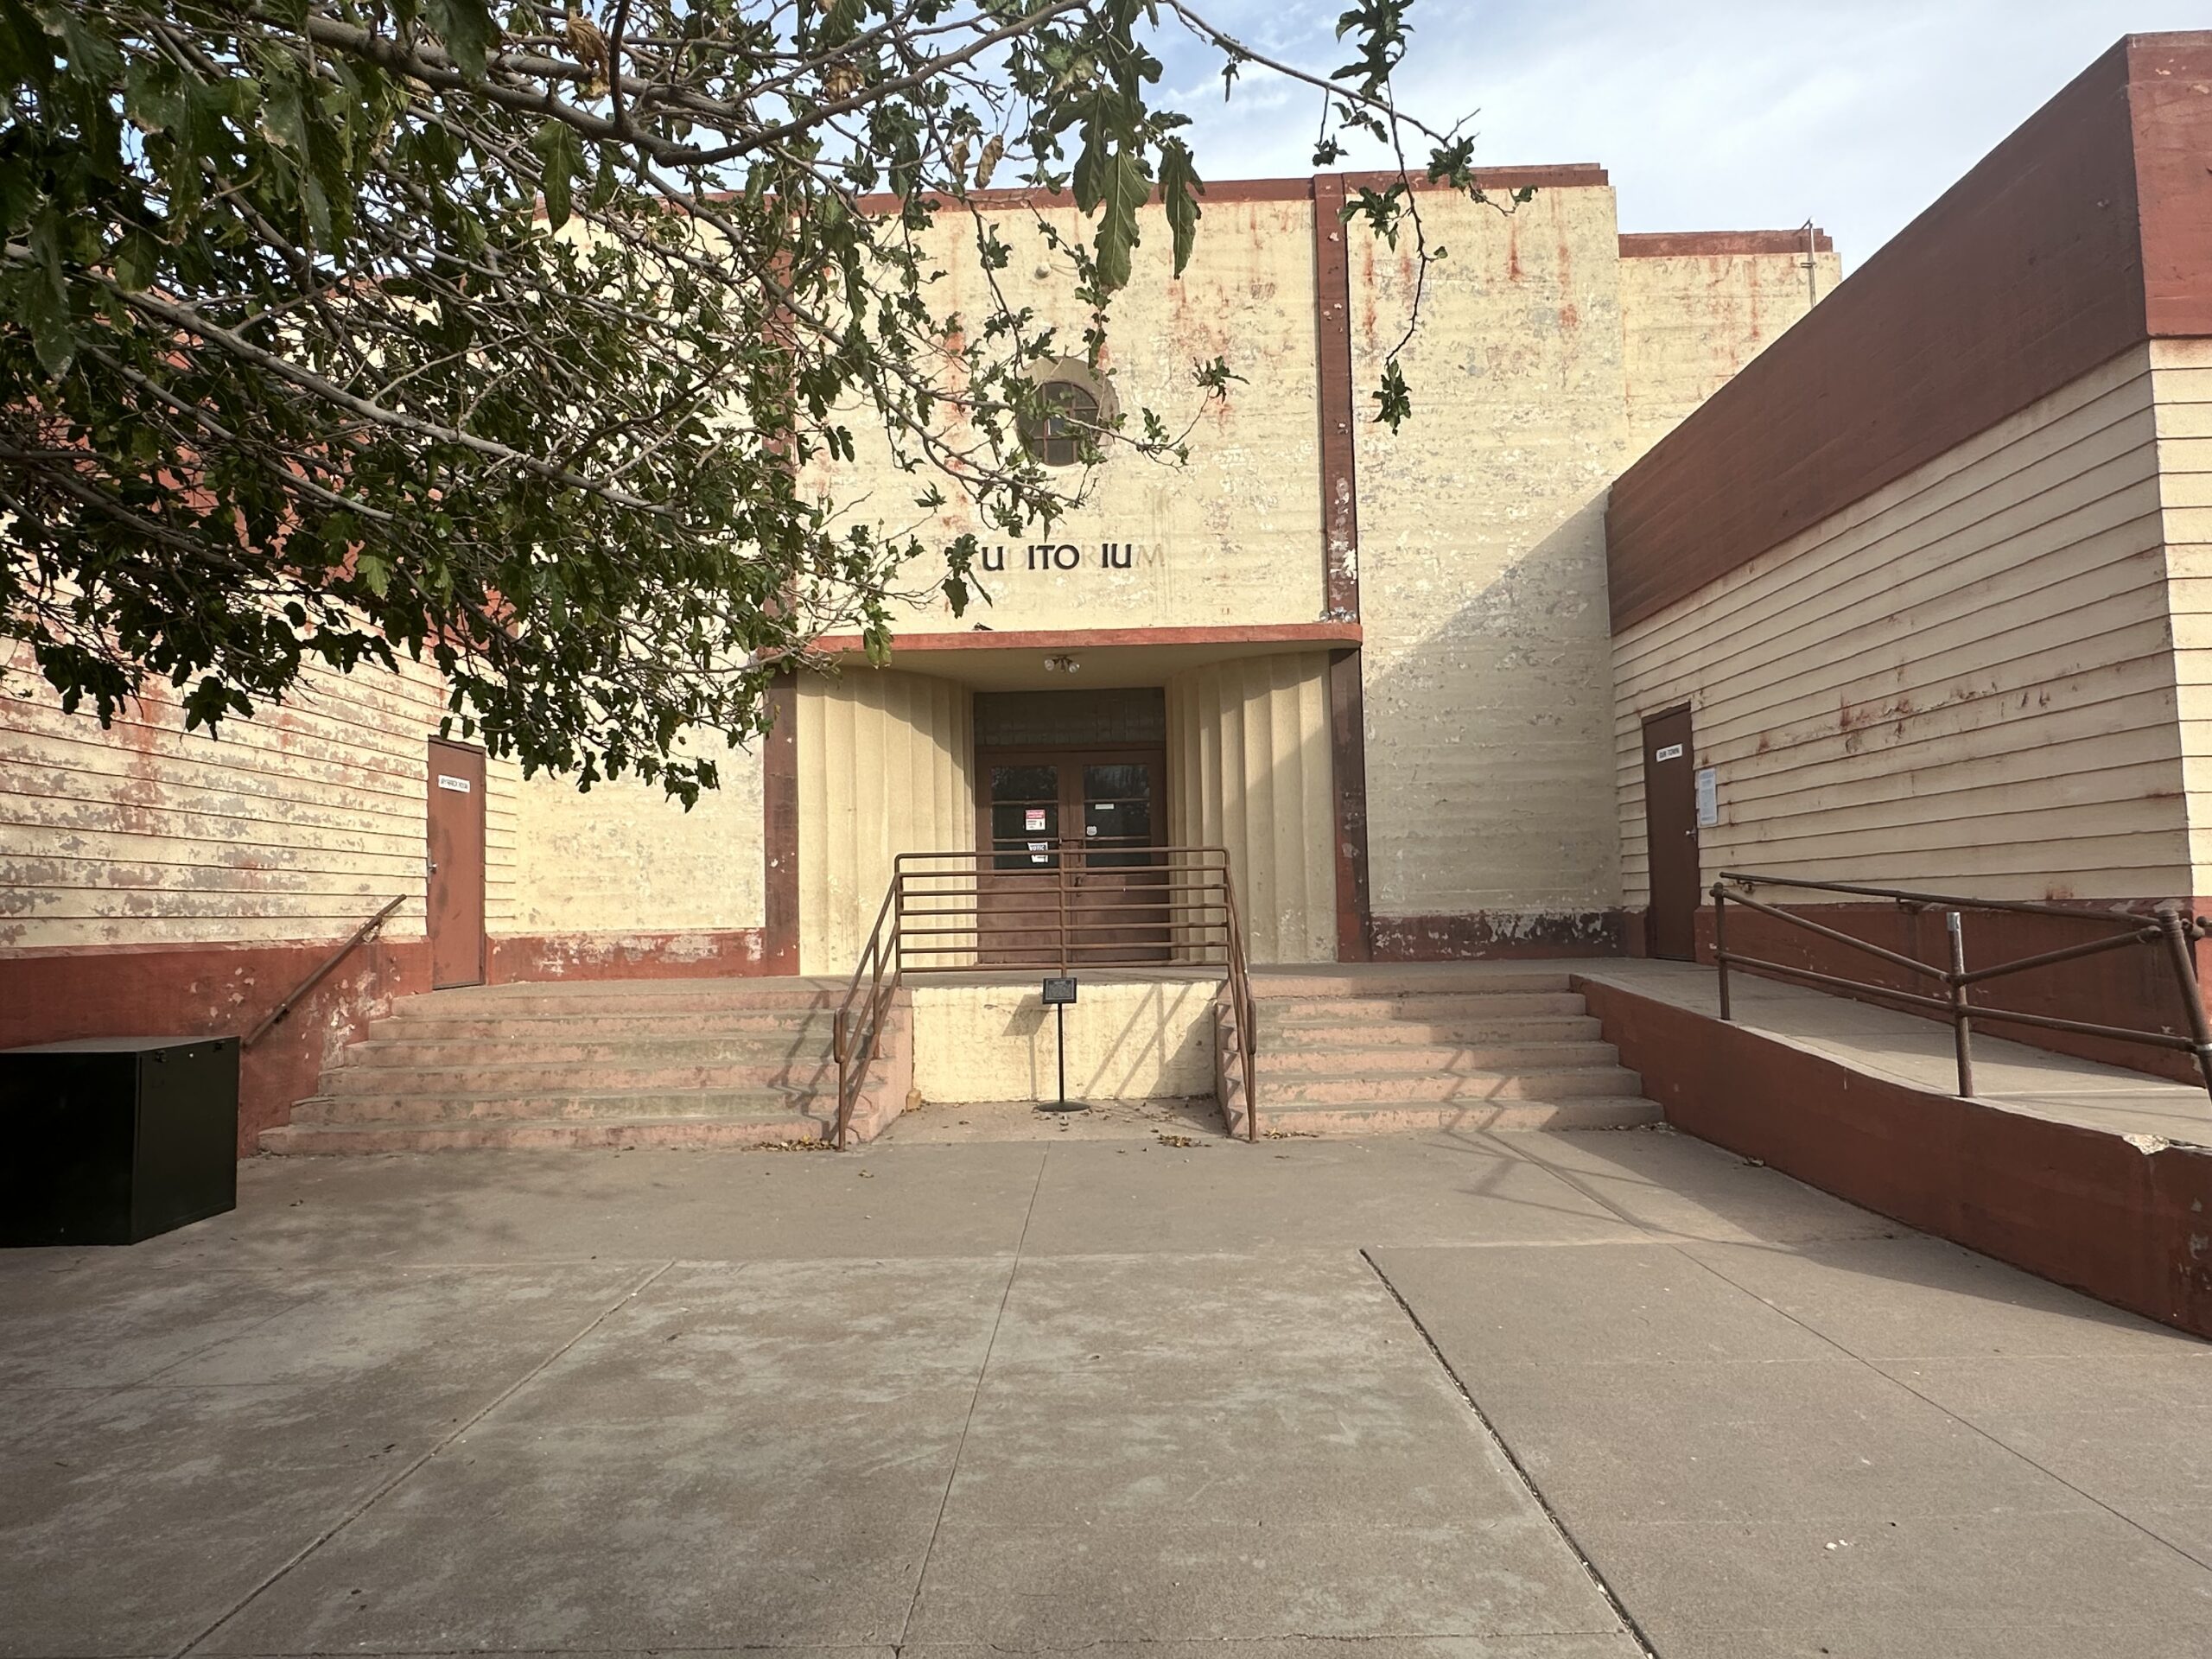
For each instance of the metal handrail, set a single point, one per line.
(1056, 921)
(2169, 923)
(276, 1015)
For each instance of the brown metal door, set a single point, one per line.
(455, 903)
(1121, 901)
(1671, 829)
(1018, 897)
(1068, 833)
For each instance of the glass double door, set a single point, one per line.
(1069, 834)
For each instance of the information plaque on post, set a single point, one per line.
(1058, 993)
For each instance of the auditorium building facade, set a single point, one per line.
(1893, 578)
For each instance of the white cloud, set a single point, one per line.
(1710, 114)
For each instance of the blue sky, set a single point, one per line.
(1710, 114)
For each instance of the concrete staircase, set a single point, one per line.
(600, 1063)
(1473, 1045)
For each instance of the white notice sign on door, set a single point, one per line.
(1672, 751)
(459, 785)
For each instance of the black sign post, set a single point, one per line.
(1058, 993)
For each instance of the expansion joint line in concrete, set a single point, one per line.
(458, 1430)
(951, 1475)
(1520, 1470)
(1968, 1423)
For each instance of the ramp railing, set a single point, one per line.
(2168, 929)
(1055, 906)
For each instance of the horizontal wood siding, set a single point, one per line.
(1963, 681)
(2182, 376)
(297, 825)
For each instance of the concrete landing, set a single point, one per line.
(1448, 1397)
(1918, 1052)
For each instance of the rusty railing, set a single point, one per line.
(1057, 906)
(276, 1015)
(2169, 928)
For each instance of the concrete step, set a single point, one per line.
(1425, 980)
(744, 1048)
(1279, 1034)
(523, 1134)
(1369, 1088)
(515, 1075)
(1285, 1059)
(555, 1105)
(1427, 1009)
(637, 996)
(1590, 1112)
(410, 1026)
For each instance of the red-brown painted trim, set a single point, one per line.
(1333, 368)
(2134, 987)
(1557, 175)
(2025, 276)
(2169, 89)
(1480, 935)
(1690, 244)
(1348, 782)
(1257, 633)
(1225, 192)
(692, 953)
(779, 827)
(1570, 175)
(206, 990)
(2082, 1207)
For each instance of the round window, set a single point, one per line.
(1067, 418)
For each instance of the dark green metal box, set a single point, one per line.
(110, 1140)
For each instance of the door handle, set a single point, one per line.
(429, 866)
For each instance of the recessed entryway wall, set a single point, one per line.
(1130, 1036)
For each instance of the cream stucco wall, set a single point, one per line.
(1488, 685)
(625, 857)
(299, 823)
(1963, 681)
(1249, 765)
(1233, 536)
(1691, 320)
(885, 766)
(1128, 1038)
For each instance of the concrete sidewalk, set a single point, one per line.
(1534, 1396)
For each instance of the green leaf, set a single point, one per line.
(47, 313)
(154, 94)
(555, 141)
(467, 27)
(1123, 187)
(283, 117)
(137, 261)
(1179, 190)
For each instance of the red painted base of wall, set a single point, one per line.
(732, 952)
(205, 990)
(2133, 987)
(2083, 1208)
(1482, 935)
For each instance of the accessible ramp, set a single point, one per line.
(2090, 1175)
